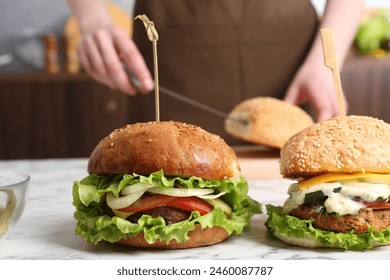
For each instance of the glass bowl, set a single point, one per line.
(13, 197)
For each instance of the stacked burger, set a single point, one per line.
(164, 185)
(341, 198)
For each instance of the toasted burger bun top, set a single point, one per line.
(178, 149)
(352, 144)
(269, 121)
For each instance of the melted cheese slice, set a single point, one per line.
(333, 177)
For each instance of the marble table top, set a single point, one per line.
(46, 229)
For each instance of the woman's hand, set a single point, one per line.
(106, 51)
(314, 82)
(315, 86)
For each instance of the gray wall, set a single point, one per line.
(22, 25)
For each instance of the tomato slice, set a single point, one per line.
(191, 203)
(379, 204)
(147, 203)
(185, 203)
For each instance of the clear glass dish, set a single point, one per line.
(13, 197)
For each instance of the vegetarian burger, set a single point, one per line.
(341, 199)
(164, 185)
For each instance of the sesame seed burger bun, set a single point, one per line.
(179, 149)
(352, 144)
(266, 121)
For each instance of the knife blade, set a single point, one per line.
(188, 100)
(199, 105)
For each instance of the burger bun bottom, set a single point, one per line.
(198, 237)
(308, 242)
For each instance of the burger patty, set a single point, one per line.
(377, 219)
(171, 215)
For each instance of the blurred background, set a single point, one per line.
(50, 108)
(23, 25)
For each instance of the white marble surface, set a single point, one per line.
(45, 230)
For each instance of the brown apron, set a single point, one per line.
(220, 52)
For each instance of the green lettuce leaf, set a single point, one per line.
(290, 226)
(94, 226)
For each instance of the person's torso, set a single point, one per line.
(221, 52)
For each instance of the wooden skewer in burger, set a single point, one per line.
(342, 168)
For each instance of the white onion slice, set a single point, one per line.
(181, 192)
(211, 196)
(137, 187)
(123, 201)
(221, 204)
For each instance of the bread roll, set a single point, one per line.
(266, 121)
